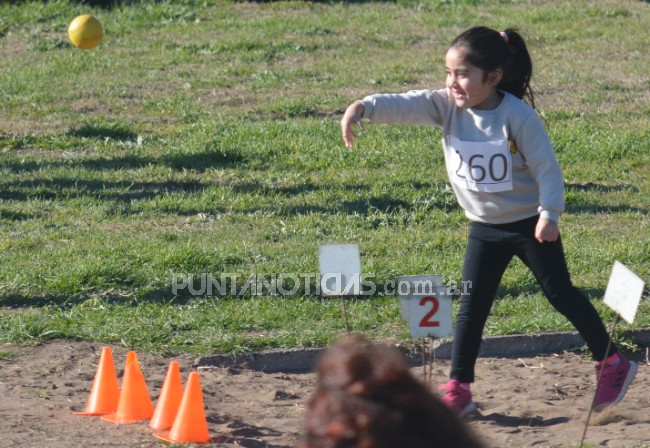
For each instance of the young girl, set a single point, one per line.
(505, 176)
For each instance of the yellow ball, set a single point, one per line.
(85, 32)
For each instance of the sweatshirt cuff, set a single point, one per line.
(369, 107)
(548, 214)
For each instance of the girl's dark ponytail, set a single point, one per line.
(488, 50)
(516, 78)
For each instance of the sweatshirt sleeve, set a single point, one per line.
(417, 107)
(534, 144)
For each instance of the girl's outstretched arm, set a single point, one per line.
(352, 116)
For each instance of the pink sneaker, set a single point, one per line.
(457, 398)
(617, 376)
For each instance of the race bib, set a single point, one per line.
(481, 166)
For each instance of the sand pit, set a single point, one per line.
(525, 402)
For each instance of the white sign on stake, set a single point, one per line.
(425, 305)
(624, 291)
(409, 284)
(340, 269)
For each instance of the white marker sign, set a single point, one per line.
(340, 269)
(624, 291)
(425, 305)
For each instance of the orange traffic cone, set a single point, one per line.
(190, 425)
(130, 357)
(135, 404)
(105, 392)
(169, 400)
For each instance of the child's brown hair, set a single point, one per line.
(366, 397)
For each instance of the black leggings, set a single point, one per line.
(489, 251)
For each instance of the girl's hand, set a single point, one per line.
(352, 116)
(546, 230)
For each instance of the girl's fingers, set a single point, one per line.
(348, 133)
(349, 137)
(546, 231)
(351, 117)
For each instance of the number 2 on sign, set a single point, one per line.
(426, 320)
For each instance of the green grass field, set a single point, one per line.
(203, 137)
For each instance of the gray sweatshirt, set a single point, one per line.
(500, 161)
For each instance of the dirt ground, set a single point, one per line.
(540, 402)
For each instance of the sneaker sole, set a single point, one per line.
(470, 408)
(628, 380)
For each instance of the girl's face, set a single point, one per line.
(469, 85)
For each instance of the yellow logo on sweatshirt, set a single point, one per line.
(513, 147)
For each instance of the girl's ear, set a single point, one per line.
(495, 77)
